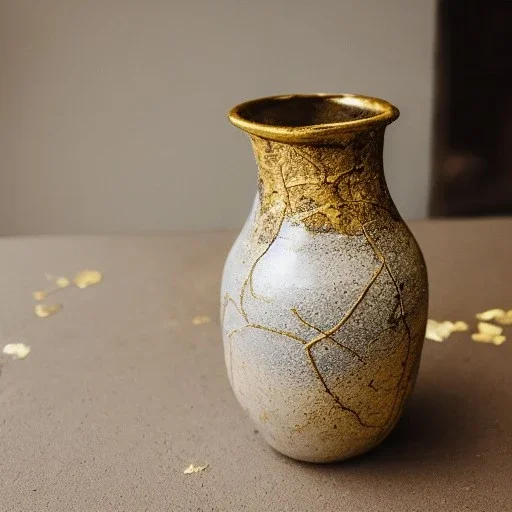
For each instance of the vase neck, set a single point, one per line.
(326, 187)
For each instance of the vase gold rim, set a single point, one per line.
(377, 112)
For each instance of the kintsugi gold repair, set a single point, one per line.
(324, 293)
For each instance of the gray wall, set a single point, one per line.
(112, 112)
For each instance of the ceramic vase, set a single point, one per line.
(324, 293)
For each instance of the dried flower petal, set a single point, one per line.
(195, 469)
(87, 278)
(40, 295)
(491, 314)
(16, 350)
(498, 340)
(46, 310)
(482, 337)
(487, 328)
(505, 319)
(460, 326)
(200, 320)
(62, 282)
(439, 331)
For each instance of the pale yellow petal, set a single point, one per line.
(499, 339)
(46, 310)
(195, 469)
(490, 314)
(487, 328)
(201, 319)
(482, 337)
(16, 350)
(460, 326)
(62, 282)
(39, 295)
(505, 319)
(87, 278)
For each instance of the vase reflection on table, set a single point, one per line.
(324, 294)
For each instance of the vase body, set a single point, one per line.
(324, 294)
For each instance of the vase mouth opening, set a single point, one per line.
(311, 117)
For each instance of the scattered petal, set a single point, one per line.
(439, 331)
(482, 337)
(46, 310)
(87, 278)
(491, 314)
(62, 282)
(487, 328)
(499, 339)
(432, 331)
(460, 326)
(16, 350)
(200, 320)
(40, 295)
(195, 469)
(505, 319)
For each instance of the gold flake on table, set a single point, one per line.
(505, 319)
(499, 339)
(46, 310)
(482, 337)
(16, 350)
(62, 282)
(87, 278)
(487, 328)
(201, 319)
(490, 314)
(195, 469)
(440, 331)
(39, 295)
(460, 326)
(489, 333)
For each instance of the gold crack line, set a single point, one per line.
(331, 331)
(349, 313)
(341, 345)
(379, 252)
(302, 183)
(227, 300)
(365, 201)
(331, 394)
(319, 167)
(304, 215)
(269, 329)
(377, 337)
(248, 279)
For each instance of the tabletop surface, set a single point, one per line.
(121, 391)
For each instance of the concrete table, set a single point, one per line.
(121, 392)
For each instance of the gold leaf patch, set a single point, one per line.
(86, 278)
(46, 310)
(16, 350)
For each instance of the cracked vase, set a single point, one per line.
(324, 293)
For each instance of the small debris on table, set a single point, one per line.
(440, 331)
(490, 314)
(195, 469)
(498, 315)
(489, 333)
(16, 350)
(39, 295)
(62, 282)
(201, 319)
(46, 310)
(86, 278)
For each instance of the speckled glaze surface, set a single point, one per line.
(324, 294)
